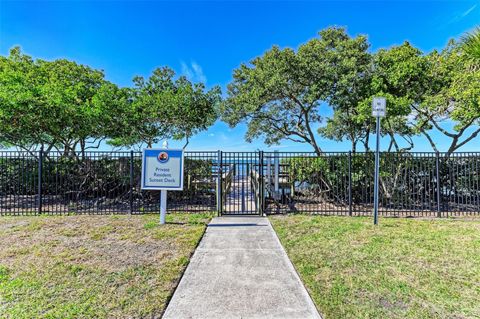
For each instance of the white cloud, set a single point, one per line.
(193, 72)
(466, 13)
(186, 70)
(197, 69)
(463, 14)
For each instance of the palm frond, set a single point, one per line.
(471, 43)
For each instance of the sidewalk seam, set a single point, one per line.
(295, 270)
(169, 298)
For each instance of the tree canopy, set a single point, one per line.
(398, 74)
(162, 107)
(279, 95)
(328, 83)
(323, 88)
(71, 107)
(48, 103)
(453, 97)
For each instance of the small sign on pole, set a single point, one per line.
(379, 105)
(162, 169)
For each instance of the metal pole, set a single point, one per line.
(243, 196)
(269, 174)
(131, 182)
(219, 183)
(163, 197)
(260, 184)
(276, 164)
(439, 199)
(163, 206)
(350, 183)
(40, 166)
(377, 165)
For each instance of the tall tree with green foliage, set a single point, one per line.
(453, 97)
(49, 103)
(19, 99)
(424, 94)
(280, 95)
(163, 107)
(71, 108)
(401, 74)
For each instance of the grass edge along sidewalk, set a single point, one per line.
(405, 268)
(93, 266)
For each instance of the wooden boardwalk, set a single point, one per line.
(241, 198)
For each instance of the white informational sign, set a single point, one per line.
(162, 169)
(379, 106)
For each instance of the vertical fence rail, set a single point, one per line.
(219, 182)
(350, 211)
(131, 182)
(437, 178)
(261, 182)
(39, 180)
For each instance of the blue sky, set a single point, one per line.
(207, 40)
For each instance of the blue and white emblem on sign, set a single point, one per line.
(163, 157)
(162, 169)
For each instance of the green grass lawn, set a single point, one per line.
(404, 268)
(93, 266)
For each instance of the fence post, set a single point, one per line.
(260, 184)
(131, 182)
(276, 164)
(219, 183)
(439, 199)
(350, 183)
(40, 167)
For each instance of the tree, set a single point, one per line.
(162, 107)
(350, 87)
(70, 107)
(19, 98)
(49, 103)
(424, 93)
(73, 119)
(453, 96)
(279, 95)
(399, 74)
(345, 125)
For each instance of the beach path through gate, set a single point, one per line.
(240, 270)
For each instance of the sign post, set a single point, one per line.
(162, 169)
(378, 110)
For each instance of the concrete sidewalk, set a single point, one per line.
(240, 270)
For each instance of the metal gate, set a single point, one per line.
(240, 185)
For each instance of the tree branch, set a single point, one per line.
(430, 140)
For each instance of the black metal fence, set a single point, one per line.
(411, 184)
(97, 183)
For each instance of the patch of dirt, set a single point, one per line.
(12, 223)
(387, 304)
(110, 243)
(119, 255)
